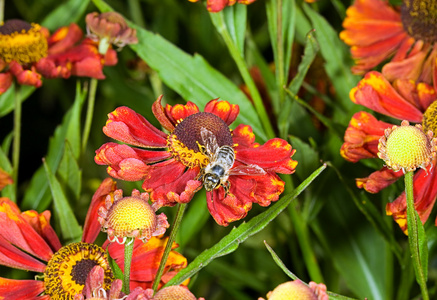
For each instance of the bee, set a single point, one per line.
(221, 161)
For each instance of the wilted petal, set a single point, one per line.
(5, 82)
(362, 137)
(376, 93)
(26, 77)
(379, 180)
(64, 38)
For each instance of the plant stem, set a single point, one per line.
(128, 250)
(89, 113)
(171, 239)
(2, 10)
(413, 237)
(280, 71)
(17, 137)
(244, 71)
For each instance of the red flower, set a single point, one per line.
(377, 31)
(218, 5)
(175, 173)
(28, 53)
(403, 100)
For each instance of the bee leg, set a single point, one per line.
(227, 187)
(202, 148)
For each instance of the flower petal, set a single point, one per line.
(26, 77)
(362, 137)
(129, 127)
(92, 225)
(376, 93)
(244, 136)
(15, 258)
(160, 115)
(379, 180)
(5, 82)
(20, 289)
(425, 193)
(409, 68)
(15, 229)
(64, 38)
(268, 188)
(275, 155)
(226, 111)
(179, 112)
(41, 224)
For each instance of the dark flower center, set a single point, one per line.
(419, 18)
(67, 270)
(14, 25)
(184, 141)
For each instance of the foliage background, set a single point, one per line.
(332, 233)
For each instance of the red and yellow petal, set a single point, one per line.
(218, 5)
(13, 257)
(161, 116)
(20, 289)
(234, 206)
(25, 77)
(15, 229)
(244, 137)
(92, 225)
(425, 193)
(409, 68)
(5, 82)
(362, 137)
(275, 155)
(376, 93)
(64, 38)
(41, 224)
(268, 188)
(226, 111)
(179, 112)
(379, 180)
(127, 126)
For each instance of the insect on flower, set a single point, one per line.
(221, 161)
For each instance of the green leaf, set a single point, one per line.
(238, 235)
(65, 13)
(234, 21)
(118, 273)
(71, 231)
(191, 76)
(307, 157)
(337, 57)
(37, 194)
(70, 175)
(7, 98)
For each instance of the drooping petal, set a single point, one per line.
(379, 180)
(234, 206)
(362, 137)
(26, 77)
(275, 155)
(5, 82)
(13, 257)
(41, 224)
(244, 136)
(268, 188)
(410, 68)
(64, 38)
(161, 116)
(217, 5)
(92, 225)
(129, 127)
(15, 229)
(178, 112)
(226, 111)
(425, 193)
(376, 93)
(20, 289)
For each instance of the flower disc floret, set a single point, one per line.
(429, 121)
(419, 18)
(68, 269)
(131, 217)
(22, 42)
(406, 147)
(174, 293)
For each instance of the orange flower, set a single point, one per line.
(28, 54)
(403, 100)
(218, 5)
(245, 174)
(377, 31)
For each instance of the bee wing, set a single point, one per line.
(251, 170)
(209, 141)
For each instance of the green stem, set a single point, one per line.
(171, 239)
(89, 113)
(128, 250)
(280, 71)
(17, 137)
(2, 10)
(244, 71)
(413, 236)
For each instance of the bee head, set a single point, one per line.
(211, 181)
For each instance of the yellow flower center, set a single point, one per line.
(429, 121)
(68, 269)
(292, 290)
(406, 147)
(184, 141)
(22, 42)
(419, 18)
(131, 217)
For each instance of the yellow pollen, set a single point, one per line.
(22, 42)
(188, 157)
(429, 121)
(406, 147)
(419, 19)
(131, 217)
